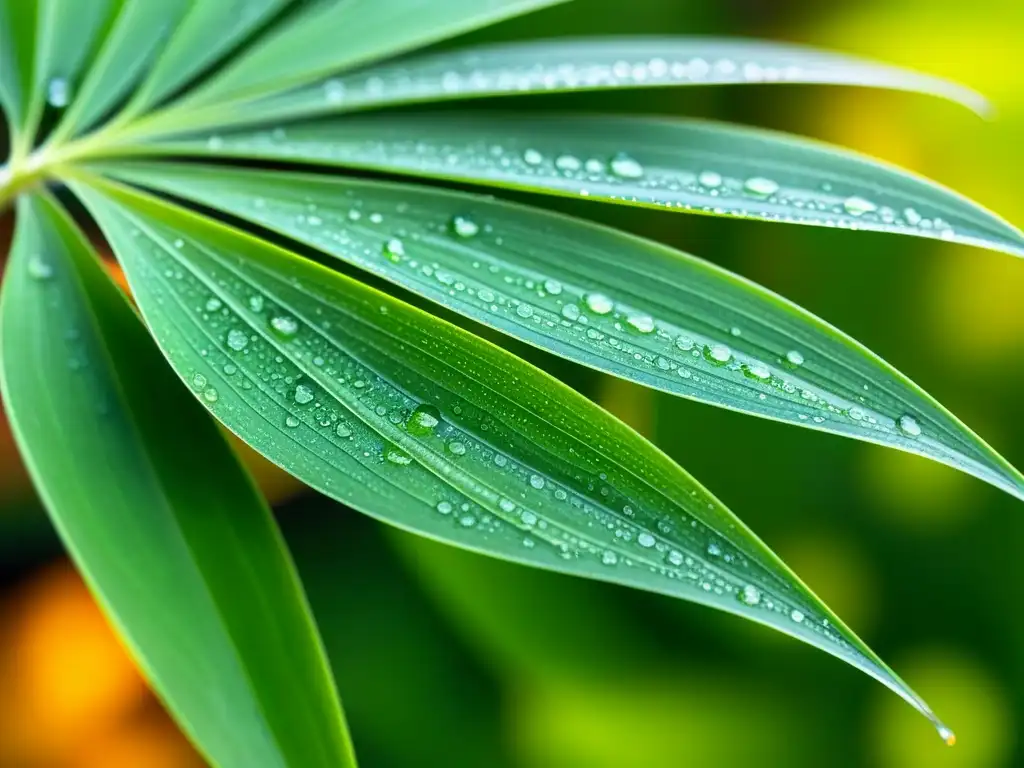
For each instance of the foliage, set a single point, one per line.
(174, 127)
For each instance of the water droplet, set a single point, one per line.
(719, 354)
(210, 395)
(537, 481)
(675, 557)
(645, 540)
(528, 518)
(553, 287)
(571, 312)
(626, 167)
(858, 206)
(213, 304)
(609, 558)
(750, 595)
(796, 615)
(423, 421)
(685, 343)
(710, 179)
(641, 323)
(256, 303)
(913, 217)
(457, 448)
(507, 505)
(599, 303)
(795, 358)
(760, 186)
(908, 425)
(444, 507)
(947, 735)
(284, 326)
(463, 226)
(39, 268)
(714, 550)
(199, 382)
(291, 422)
(303, 394)
(343, 430)
(394, 249)
(532, 157)
(58, 92)
(568, 163)
(757, 371)
(467, 521)
(237, 340)
(397, 456)
(334, 91)
(524, 310)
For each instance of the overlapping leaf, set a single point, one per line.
(605, 63)
(159, 516)
(421, 424)
(602, 298)
(675, 165)
(308, 47)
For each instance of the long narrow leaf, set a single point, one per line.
(432, 429)
(340, 34)
(137, 35)
(208, 31)
(545, 66)
(602, 298)
(678, 165)
(159, 516)
(18, 24)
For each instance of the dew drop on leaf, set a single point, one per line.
(858, 206)
(710, 179)
(423, 420)
(908, 425)
(463, 226)
(750, 595)
(58, 92)
(626, 167)
(237, 340)
(599, 303)
(760, 186)
(284, 326)
(303, 394)
(794, 358)
(39, 268)
(394, 249)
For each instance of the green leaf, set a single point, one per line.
(208, 31)
(686, 166)
(136, 36)
(18, 20)
(158, 514)
(543, 66)
(336, 35)
(427, 427)
(603, 298)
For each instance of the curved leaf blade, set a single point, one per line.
(425, 426)
(686, 166)
(136, 37)
(562, 65)
(18, 31)
(166, 535)
(602, 298)
(308, 47)
(207, 32)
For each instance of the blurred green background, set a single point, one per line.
(447, 659)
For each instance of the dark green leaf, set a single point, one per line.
(158, 514)
(602, 298)
(423, 425)
(18, 21)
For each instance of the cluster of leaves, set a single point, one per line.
(248, 281)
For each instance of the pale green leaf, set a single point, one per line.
(335, 35)
(603, 298)
(159, 516)
(686, 166)
(421, 424)
(552, 66)
(136, 36)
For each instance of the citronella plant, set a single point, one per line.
(133, 108)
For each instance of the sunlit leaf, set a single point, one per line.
(674, 165)
(552, 66)
(335, 35)
(423, 425)
(157, 513)
(600, 297)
